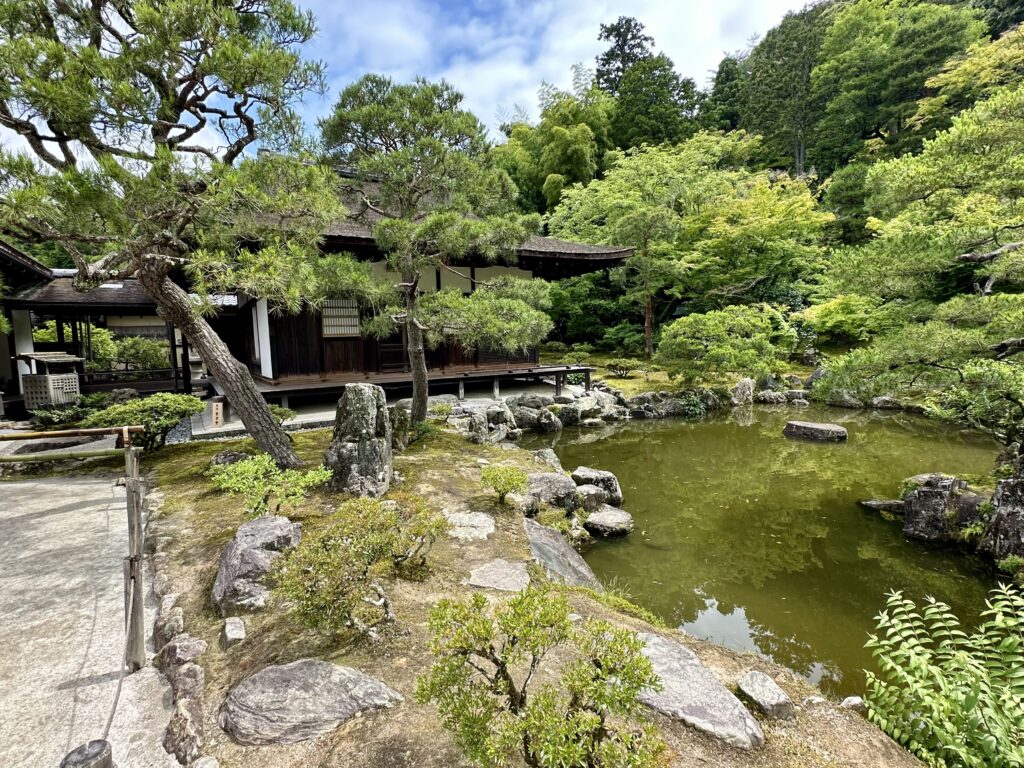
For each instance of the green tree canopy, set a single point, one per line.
(629, 46)
(655, 104)
(723, 107)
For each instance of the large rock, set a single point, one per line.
(526, 418)
(691, 693)
(842, 398)
(561, 562)
(609, 521)
(592, 497)
(185, 732)
(501, 575)
(547, 421)
(1004, 533)
(360, 453)
(743, 392)
(809, 430)
(892, 506)
(554, 489)
(548, 457)
(299, 701)
(939, 507)
(246, 560)
(770, 397)
(570, 414)
(600, 478)
(767, 695)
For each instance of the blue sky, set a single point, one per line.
(499, 52)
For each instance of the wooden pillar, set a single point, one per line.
(134, 598)
(558, 384)
(59, 324)
(586, 381)
(186, 367)
(172, 345)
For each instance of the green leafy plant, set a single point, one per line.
(443, 410)
(951, 698)
(579, 354)
(486, 663)
(138, 353)
(60, 415)
(623, 367)
(159, 414)
(264, 486)
(335, 577)
(281, 414)
(1014, 565)
(423, 431)
(503, 480)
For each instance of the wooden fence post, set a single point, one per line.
(134, 593)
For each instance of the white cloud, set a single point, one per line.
(499, 52)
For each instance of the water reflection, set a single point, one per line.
(756, 541)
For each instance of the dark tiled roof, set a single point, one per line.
(61, 292)
(11, 257)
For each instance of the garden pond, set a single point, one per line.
(756, 541)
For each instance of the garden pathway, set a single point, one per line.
(62, 633)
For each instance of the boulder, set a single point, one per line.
(817, 374)
(589, 407)
(592, 497)
(185, 732)
(187, 681)
(855, 704)
(691, 693)
(609, 521)
(939, 507)
(526, 418)
(233, 632)
(797, 394)
(770, 397)
(401, 427)
(592, 423)
(469, 526)
(743, 392)
(180, 650)
(554, 489)
(809, 430)
(561, 562)
(563, 399)
(600, 478)
(246, 560)
(886, 403)
(501, 575)
(766, 694)
(569, 414)
(842, 398)
(548, 422)
(548, 457)
(1004, 533)
(289, 703)
(229, 457)
(523, 503)
(800, 403)
(360, 453)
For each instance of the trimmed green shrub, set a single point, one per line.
(264, 486)
(623, 367)
(443, 410)
(951, 698)
(503, 480)
(138, 353)
(335, 577)
(281, 414)
(579, 354)
(159, 414)
(485, 664)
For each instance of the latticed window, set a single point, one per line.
(340, 318)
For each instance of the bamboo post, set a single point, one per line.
(134, 605)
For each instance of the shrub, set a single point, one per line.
(951, 698)
(159, 414)
(555, 347)
(138, 353)
(264, 486)
(1013, 565)
(443, 410)
(579, 354)
(504, 480)
(102, 345)
(60, 415)
(334, 577)
(481, 683)
(281, 414)
(424, 430)
(623, 367)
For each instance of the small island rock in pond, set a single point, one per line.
(609, 521)
(810, 430)
(693, 694)
(284, 704)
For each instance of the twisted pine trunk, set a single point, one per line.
(233, 377)
(415, 349)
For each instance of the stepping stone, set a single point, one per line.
(810, 430)
(609, 521)
(693, 695)
(469, 526)
(767, 695)
(561, 562)
(285, 704)
(233, 632)
(500, 574)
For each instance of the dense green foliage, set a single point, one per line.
(483, 684)
(159, 414)
(503, 480)
(265, 488)
(952, 697)
(335, 577)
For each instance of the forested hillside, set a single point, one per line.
(852, 183)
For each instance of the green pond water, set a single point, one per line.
(756, 541)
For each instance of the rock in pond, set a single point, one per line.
(501, 575)
(469, 526)
(548, 422)
(769, 397)
(246, 560)
(561, 562)
(939, 508)
(810, 430)
(548, 457)
(360, 453)
(767, 695)
(592, 497)
(600, 478)
(609, 521)
(554, 489)
(1004, 533)
(743, 392)
(894, 506)
(694, 695)
(285, 704)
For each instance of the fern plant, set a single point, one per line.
(952, 698)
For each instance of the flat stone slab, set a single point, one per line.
(500, 574)
(609, 521)
(810, 430)
(694, 695)
(285, 704)
(561, 562)
(767, 695)
(469, 526)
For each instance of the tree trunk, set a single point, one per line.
(649, 325)
(417, 354)
(233, 377)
